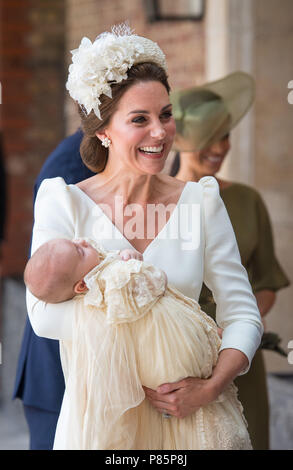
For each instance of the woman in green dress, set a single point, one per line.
(204, 118)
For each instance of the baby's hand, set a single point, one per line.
(130, 253)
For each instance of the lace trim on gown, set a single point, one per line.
(117, 348)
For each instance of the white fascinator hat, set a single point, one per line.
(96, 65)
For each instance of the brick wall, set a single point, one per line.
(36, 39)
(32, 78)
(181, 41)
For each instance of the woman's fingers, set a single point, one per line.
(162, 402)
(173, 409)
(181, 398)
(163, 407)
(129, 253)
(170, 387)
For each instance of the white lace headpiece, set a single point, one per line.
(95, 66)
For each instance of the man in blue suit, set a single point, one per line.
(39, 378)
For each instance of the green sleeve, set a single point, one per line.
(264, 270)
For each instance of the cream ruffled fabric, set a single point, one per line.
(131, 329)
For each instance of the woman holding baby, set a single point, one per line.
(122, 90)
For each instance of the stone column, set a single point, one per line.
(273, 167)
(229, 47)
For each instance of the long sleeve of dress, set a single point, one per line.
(53, 216)
(224, 275)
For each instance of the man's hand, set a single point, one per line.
(130, 253)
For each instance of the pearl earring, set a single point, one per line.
(106, 142)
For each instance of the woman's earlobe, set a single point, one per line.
(105, 141)
(100, 135)
(80, 287)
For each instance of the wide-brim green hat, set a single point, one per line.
(206, 113)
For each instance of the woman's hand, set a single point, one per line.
(130, 253)
(180, 398)
(184, 397)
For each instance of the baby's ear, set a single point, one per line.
(80, 287)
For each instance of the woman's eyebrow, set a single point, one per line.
(143, 111)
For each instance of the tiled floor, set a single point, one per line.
(13, 429)
(281, 411)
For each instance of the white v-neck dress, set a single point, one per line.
(196, 245)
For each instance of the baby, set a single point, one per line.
(56, 271)
(130, 329)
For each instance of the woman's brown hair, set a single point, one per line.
(93, 154)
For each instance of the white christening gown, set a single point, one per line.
(131, 329)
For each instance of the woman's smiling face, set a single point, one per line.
(142, 129)
(208, 162)
(210, 159)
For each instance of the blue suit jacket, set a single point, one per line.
(39, 378)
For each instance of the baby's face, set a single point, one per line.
(85, 258)
(76, 258)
